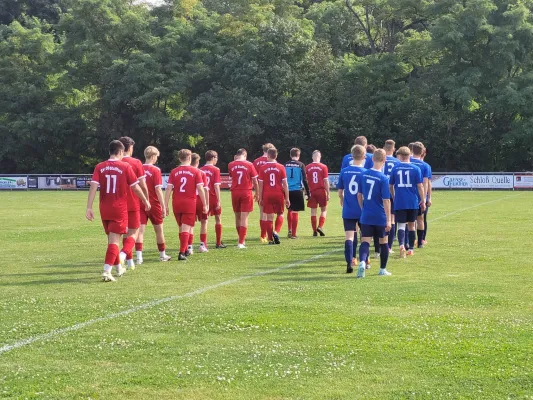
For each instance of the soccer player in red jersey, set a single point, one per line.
(134, 205)
(273, 194)
(195, 162)
(258, 162)
(215, 208)
(183, 183)
(154, 182)
(243, 177)
(115, 179)
(317, 176)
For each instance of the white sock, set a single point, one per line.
(189, 247)
(122, 255)
(139, 255)
(162, 253)
(130, 263)
(107, 268)
(202, 244)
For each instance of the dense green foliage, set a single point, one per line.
(227, 74)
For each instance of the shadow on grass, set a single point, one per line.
(52, 282)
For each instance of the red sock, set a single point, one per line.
(321, 221)
(138, 247)
(269, 225)
(313, 223)
(203, 238)
(289, 219)
(191, 239)
(263, 226)
(117, 260)
(161, 247)
(111, 254)
(129, 244)
(218, 232)
(242, 234)
(279, 223)
(294, 223)
(184, 241)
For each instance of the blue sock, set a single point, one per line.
(384, 255)
(364, 249)
(401, 237)
(354, 254)
(348, 251)
(392, 235)
(412, 239)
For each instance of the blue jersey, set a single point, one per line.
(348, 160)
(374, 186)
(348, 181)
(296, 177)
(424, 167)
(389, 165)
(405, 178)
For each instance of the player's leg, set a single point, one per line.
(279, 222)
(294, 224)
(289, 220)
(160, 239)
(270, 227)
(401, 224)
(392, 233)
(420, 228)
(411, 226)
(186, 222)
(243, 230)
(349, 231)
(218, 230)
(263, 226)
(112, 253)
(314, 223)
(139, 244)
(384, 251)
(203, 234)
(424, 242)
(322, 218)
(190, 250)
(367, 233)
(134, 223)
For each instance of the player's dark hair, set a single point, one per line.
(195, 159)
(127, 142)
(417, 149)
(410, 146)
(241, 152)
(371, 149)
(272, 153)
(295, 152)
(210, 155)
(115, 147)
(361, 140)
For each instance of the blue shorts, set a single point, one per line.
(403, 216)
(373, 231)
(350, 224)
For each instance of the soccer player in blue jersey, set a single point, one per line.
(429, 202)
(416, 159)
(374, 200)
(351, 211)
(390, 148)
(406, 187)
(348, 158)
(297, 180)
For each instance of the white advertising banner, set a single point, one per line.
(13, 182)
(523, 181)
(477, 181)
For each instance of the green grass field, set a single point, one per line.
(269, 322)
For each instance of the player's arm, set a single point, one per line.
(89, 214)
(217, 194)
(206, 190)
(140, 194)
(285, 186)
(391, 188)
(143, 186)
(386, 206)
(360, 199)
(168, 193)
(304, 181)
(341, 196)
(203, 197)
(430, 192)
(326, 186)
(422, 196)
(255, 185)
(159, 194)
(259, 191)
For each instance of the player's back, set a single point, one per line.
(241, 173)
(114, 178)
(184, 180)
(405, 177)
(153, 180)
(294, 170)
(134, 203)
(272, 174)
(374, 187)
(390, 163)
(349, 181)
(213, 177)
(422, 165)
(316, 174)
(259, 162)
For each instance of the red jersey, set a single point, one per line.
(241, 174)
(153, 181)
(184, 180)
(115, 178)
(316, 174)
(213, 178)
(204, 181)
(134, 203)
(259, 162)
(272, 174)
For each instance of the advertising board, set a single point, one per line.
(473, 181)
(13, 182)
(523, 181)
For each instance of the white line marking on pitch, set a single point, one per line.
(56, 332)
(474, 206)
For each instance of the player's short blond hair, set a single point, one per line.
(361, 140)
(379, 155)
(267, 146)
(358, 152)
(184, 154)
(272, 153)
(389, 145)
(403, 152)
(150, 152)
(195, 159)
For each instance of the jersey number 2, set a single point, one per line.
(183, 183)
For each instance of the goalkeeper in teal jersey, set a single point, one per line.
(297, 181)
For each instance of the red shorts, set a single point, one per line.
(187, 219)
(242, 201)
(318, 199)
(213, 206)
(273, 203)
(134, 219)
(118, 227)
(155, 215)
